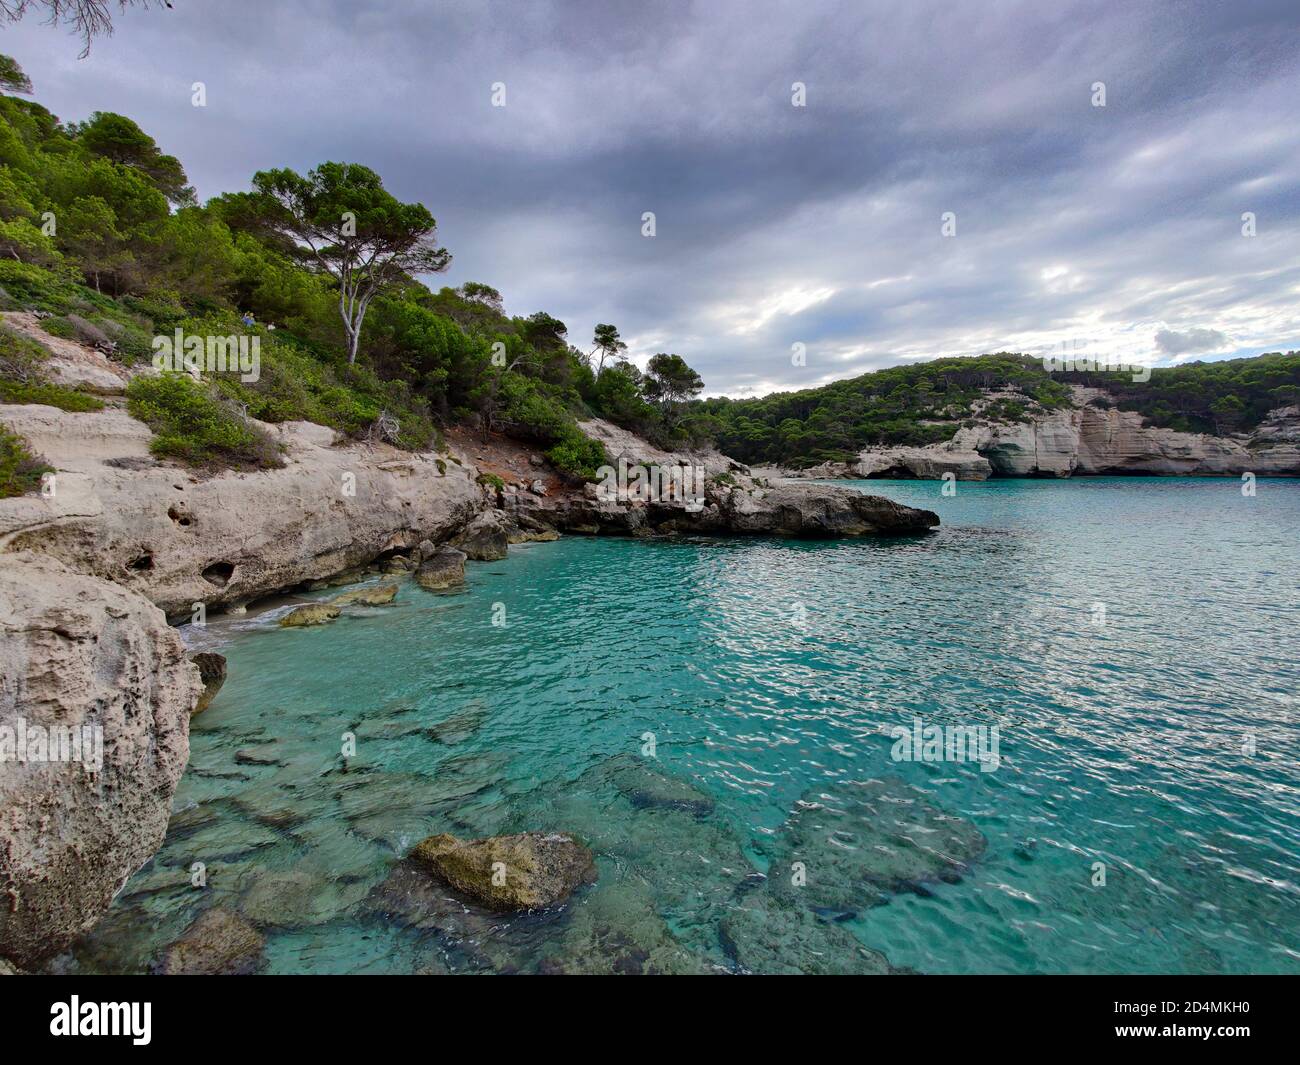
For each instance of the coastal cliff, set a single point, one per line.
(1087, 438)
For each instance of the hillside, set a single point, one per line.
(930, 403)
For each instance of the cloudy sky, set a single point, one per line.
(1112, 230)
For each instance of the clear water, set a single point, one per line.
(770, 672)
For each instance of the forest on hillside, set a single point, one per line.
(101, 236)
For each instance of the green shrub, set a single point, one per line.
(190, 424)
(22, 377)
(293, 384)
(578, 456)
(20, 470)
(50, 395)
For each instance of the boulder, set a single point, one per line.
(374, 595)
(212, 671)
(538, 536)
(484, 539)
(100, 664)
(311, 614)
(219, 943)
(445, 568)
(527, 871)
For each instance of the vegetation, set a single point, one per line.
(1207, 397)
(912, 405)
(189, 424)
(20, 471)
(22, 377)
(100, 231)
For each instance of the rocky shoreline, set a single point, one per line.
(1089, 438)
(93, 571)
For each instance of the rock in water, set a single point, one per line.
(445, 568)
(527, 871)
(646, 786)
(376, 595)
(619, 931)
(484, 539)
(859, 842)
(99, 663)
(770, 935)
(212, 671)
(219, 943)
(312, 614)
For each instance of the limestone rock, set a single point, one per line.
(180, 538)
(527, 871)
(374, 595)
(311, 614)
(212, 671)
(445, 568)
(219, 943)
(80, 653)
(484, 539)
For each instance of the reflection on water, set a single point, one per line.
(1133, 639)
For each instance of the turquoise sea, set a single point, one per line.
(1134, 640)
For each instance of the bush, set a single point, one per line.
(295, 385)
(22, 377)
(68, 399)
(578, 456)
(20, 470)
(191, 425)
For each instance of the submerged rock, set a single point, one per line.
(646, 786)
(484, 539)
(459, 726)
(857, 842)
(212, 671)
(770, 935)
(312, 614)
(298, 897)
(219, 943)
(527, 871)
(618, 931)
(445, 568)
(375, 595)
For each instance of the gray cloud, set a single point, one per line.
(1191, 341)
(776, 225)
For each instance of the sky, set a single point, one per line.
(947, 184)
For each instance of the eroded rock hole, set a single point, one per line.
(219, 573)
(142, 563)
